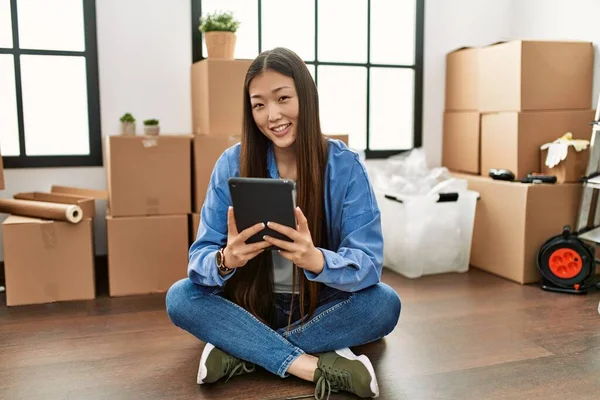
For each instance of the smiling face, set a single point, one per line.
(275, 107)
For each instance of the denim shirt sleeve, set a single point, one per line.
(212, 231)
(358, 261)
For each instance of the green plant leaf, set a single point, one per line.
(219, 21)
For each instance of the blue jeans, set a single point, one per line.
(341, 320)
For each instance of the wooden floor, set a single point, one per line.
(467, 336)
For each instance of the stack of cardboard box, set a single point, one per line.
(502, 102)
(217, 110)
(45, 260)
(149, 189)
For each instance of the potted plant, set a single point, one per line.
(127, 125)
(151, 127)
(219, 33)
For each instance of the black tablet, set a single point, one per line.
(262, 200)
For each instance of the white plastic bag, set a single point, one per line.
(424, 236)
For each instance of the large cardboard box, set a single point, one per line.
(524, 75)
(513, 220)
(146, 254)
(206, 152)
(217, 96)
(512, 140)
(47, 261)
(195, 226)
(571, 169)
(149, 175)
(461, 141)
(462, 74)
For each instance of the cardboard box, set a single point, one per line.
(146, 254)
(47, 261)
(206, 152)
(571, 169)
(512, 140)
(513, 220)
(148, 175)
(217, 96)
(195, 226)
(461, 141)
(342, 137)
(87, 204)
(462, 73)
(523, 75)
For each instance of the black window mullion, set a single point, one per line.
(196, 34)
(18, 85)
(368, 119)
(418, 96)
(93, 82)
(259, 26)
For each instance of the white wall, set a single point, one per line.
(450, 25)
(144, 57)
(560, 20)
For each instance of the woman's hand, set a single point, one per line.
(301, 251)
(237, 253)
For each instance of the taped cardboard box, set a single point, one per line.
(195, 226)
(512, 140)
(461, 142)
(148, 175)
(47, 261)
(462, 73)
(217, 96)
(513, 220)
(526, 75)
(87, 204)
(206, 151)
(146, 254)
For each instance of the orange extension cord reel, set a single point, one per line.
(567, 264)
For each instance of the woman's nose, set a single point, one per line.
(274, 113)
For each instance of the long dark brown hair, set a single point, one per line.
(252, 286)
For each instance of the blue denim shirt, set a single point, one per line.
(353, 222)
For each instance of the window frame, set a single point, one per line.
(417, 67)
(94, 158)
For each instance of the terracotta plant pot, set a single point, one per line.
(128, 128)
(151, 130)
(220, 45)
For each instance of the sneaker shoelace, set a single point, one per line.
(234, 366)
(332, 381)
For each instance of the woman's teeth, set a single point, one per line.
(281, 128)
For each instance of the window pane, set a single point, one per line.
(393, 31)
(311, 68)
(9, 125)
(55, 105)
(392, 102)
(343, 103)
(5, 24)
(343, 30)
(51, 25)
(296, 33)
(245, 11)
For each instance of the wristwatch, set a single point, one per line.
(220, 259)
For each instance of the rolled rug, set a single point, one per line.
(40, 209)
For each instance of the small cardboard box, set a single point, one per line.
(571, 169)
(462, 87)
(512, 140)
(146, 254)
(523, 75)
(217, 96)
(149, 175)
(206, 152)
(513, 220)
(461, 141)
(47, 261)
(343, 137)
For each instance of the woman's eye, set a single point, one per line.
(257, 105)
(282, 98)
